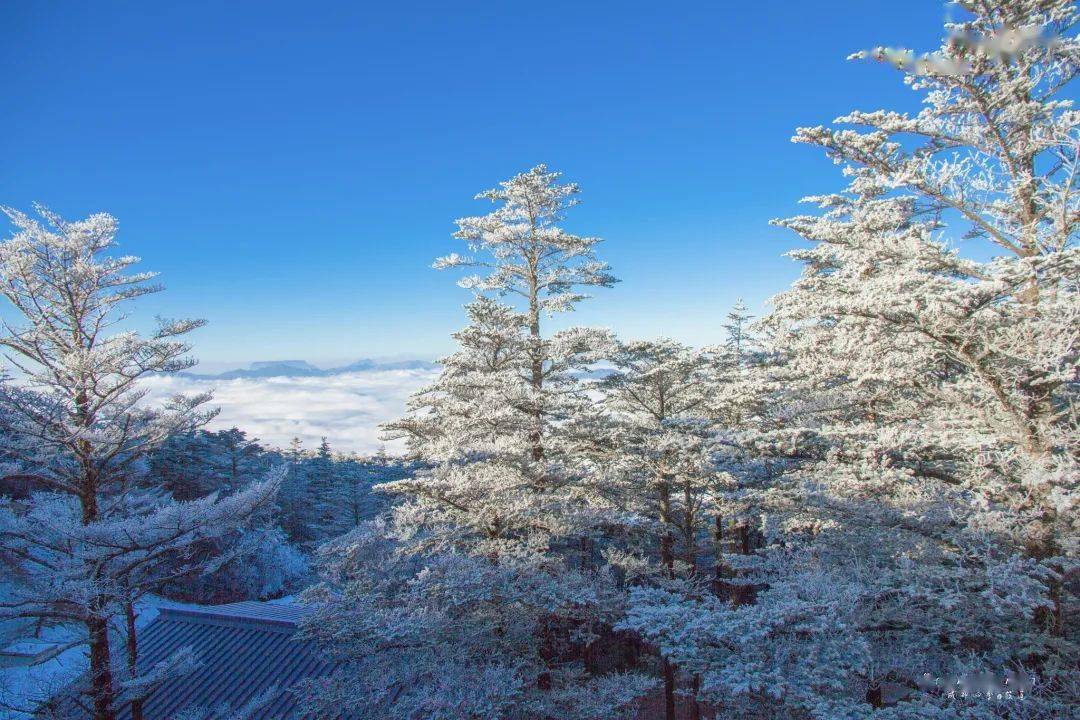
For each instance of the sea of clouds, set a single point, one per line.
(345, 408)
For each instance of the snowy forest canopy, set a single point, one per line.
(862, 505)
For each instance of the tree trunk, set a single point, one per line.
(101, 688)
(744, 594)
(669, 690)
(689, 527)
(667, 539)
(537, 362)
(718, 544)
(132, 659)
(695, 708)
(97, 625)
(721, 586)
(586, 545)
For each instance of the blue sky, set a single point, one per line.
(293, 168)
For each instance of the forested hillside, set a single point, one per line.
(863, 504)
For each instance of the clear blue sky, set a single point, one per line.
(293, 168)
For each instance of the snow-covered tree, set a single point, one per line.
(179, 465)
(93, 536)
(480, 610)
(476, 428)
(257, 563)
(326, 494)
(254, 562)
(194, 464)
(296, 450)
(358, 475)
(456, 635)
(921, 502)
(739, 341)
(660, 395)
(296, 499)
(529, 256)
(495, 423)
(328, 491)
(238, 459)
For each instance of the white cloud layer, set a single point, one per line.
(345, 408)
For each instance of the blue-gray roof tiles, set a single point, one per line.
(243, 649)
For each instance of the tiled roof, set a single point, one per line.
(244, 649)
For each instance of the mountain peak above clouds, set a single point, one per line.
(301, 365)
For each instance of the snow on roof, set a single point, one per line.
(29, 652)
(283, 615)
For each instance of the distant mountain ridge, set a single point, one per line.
(302, 368)
(298, 364)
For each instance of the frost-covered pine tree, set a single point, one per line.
(299, 510)
(358, 475)
(194, 464)
(538, 263)
(237, 458)
(327, 492)
(251, 563)
(92, 535)
(661, 394)
(495, 423)
(483, 606)
(922, 500)
(739, 341)
(659, 397)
